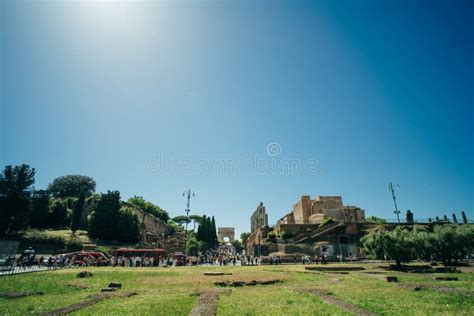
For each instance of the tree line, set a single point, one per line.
(205, 238)
(448, 243)
(63, 203)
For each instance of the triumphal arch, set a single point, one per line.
(228, 232)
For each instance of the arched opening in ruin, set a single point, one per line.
(343, 246)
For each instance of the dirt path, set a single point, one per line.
(330, 299)
(207, 303)
(94, 299)
(19, 294)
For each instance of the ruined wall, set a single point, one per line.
(287, 219)
(256, 238)
(294, 229)
(259, 218)
(302, 210)
(152, 229)
(317, 218)
(330, 202)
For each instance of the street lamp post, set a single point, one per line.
(391, 189)
(188, 195)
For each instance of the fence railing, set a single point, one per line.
(426, 221)
(32, 268)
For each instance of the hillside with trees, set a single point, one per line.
(69, 202)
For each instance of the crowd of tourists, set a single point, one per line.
(224, 255)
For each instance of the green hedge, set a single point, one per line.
(37, 237)
(74, 244)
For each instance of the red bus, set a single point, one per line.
(155, 253)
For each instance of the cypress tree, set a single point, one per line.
(77, 213)
(214, 232)
(201, 234)
(209, 230)
(105, 219)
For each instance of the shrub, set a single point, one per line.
(376, 220)
(447, 243)
(193, 246)
(106, 251)
(327, 220)
(74, 244)
(271, 235)
(174, 227)
(286, 235)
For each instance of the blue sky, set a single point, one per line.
(367, 92)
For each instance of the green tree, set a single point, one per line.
(373, 244)
(105, 218)
(193, 246)
(422, 242)
(72, 186)
(196, 219)
(181, 220)
(128, 229)
(409, 217)
(149, 207)
(244, 237)
(174, 227)
(237, 245)
(201, 233)
(16, 185)
(452, 242)
(376, 220)
(59, 214)
(77, 213)
(206, 231)
(39, 216)
(213, 231)
(396, 245)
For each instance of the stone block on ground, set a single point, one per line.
(84, 274)
(446, 279)
(115, 285)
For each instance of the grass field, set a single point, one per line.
(174, 291)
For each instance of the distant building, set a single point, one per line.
(307, 211)
(305, 230)
(259, 218)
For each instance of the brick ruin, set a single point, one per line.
(307, 211)
(308, 230)
(155, 232)
(259, 218)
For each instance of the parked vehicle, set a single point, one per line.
(90, 257)
(179, 258)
